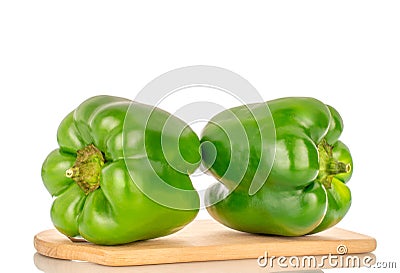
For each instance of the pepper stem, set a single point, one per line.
(336, 167)
(87, 168)
(329, 166)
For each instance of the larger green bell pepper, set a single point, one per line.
(305, 190)
(118, 168)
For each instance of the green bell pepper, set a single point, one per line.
(118, 167)
(305, 191)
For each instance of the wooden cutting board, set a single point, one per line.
(203, 240)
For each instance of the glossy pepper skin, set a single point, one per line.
(305, 191)
(105, 175)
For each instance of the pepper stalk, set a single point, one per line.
(87, 168)
(329, 166)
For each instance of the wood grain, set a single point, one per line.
(202, 240)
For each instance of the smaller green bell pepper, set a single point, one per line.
(305, 191)
(116, 169)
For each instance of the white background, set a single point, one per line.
(54, 55)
